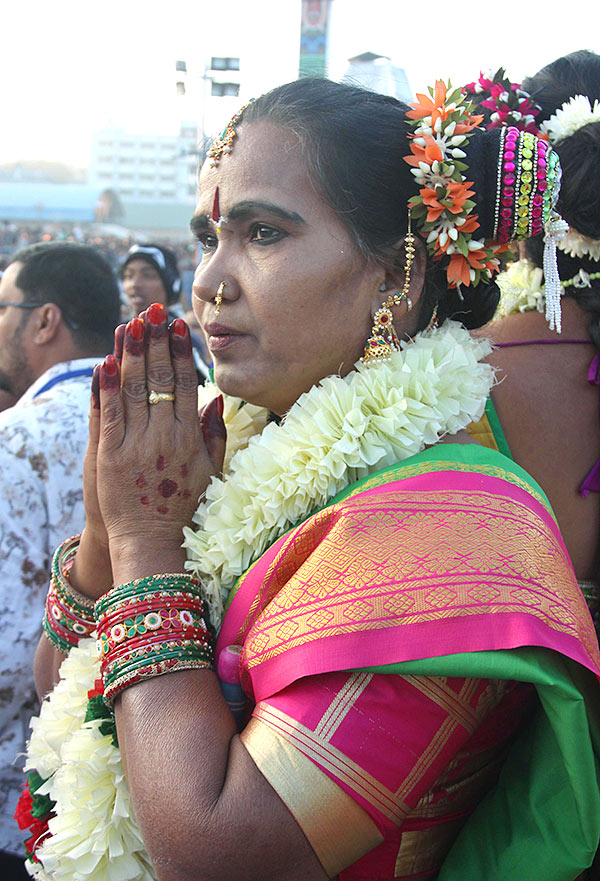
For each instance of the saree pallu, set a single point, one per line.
(424, 674)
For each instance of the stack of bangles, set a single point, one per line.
(68, 615)
(145, 628)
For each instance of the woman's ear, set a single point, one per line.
(410, 265)
(404, 281)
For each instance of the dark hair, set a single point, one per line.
(80, 282)
(166, 267)
(354, 143)
(579, 202)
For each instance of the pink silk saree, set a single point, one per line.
(393, 644)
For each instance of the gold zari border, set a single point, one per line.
(337, 828)
(404, 558)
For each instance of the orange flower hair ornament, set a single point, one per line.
(527, 187)
(444, 121)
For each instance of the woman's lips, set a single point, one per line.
(221, 337)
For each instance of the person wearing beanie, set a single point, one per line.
(150, 275)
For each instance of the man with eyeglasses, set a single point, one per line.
(59, 305)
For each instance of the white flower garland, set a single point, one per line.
(575, 244)
(570, 117)
(521, 289)
(338, 432)
(94, 835)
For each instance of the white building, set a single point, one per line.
(210, 93)
(153, 168)
(378, 74)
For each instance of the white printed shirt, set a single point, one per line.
(42, 443)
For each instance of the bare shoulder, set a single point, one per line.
(520, 327)
(461, 437)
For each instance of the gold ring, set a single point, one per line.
(157, 397)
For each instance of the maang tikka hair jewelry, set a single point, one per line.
(224, 143)
(219, 297)
(383, 339)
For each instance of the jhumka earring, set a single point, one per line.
(383, 339)
(219, 297)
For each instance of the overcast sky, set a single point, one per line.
(68, 67)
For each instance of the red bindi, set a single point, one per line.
(160, 463)
(141, 480)
(162, 509)
(216, 211)
(145, 500)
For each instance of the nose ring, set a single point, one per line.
(219, 296)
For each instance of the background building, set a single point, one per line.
(377, 73)
(148, 167)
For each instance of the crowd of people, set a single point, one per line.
(331, 610)
(114, 248)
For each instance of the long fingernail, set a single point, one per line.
(220, 405)
(96, 387)
(119, 337)
(134, 337)
(109, 373)
(213, 420)
(181, 341)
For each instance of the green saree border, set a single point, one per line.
(471, 458)
(496, 428)
(542, 819)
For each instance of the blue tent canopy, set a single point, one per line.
(49, 202)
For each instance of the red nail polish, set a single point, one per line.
(211, 423)
(220, 405)
(179, 327)
(156, 313)
(180, 339)
(110, 365)
(135, 329)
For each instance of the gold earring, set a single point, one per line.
(398, 299)
(219, 297)
(383, 340)
(409, 250)
(433, 321)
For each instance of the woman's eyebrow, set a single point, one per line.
(199, 223)
(242, 210)
(250, 207)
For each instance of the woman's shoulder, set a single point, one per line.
(438, 466)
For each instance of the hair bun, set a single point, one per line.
(579, 201)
